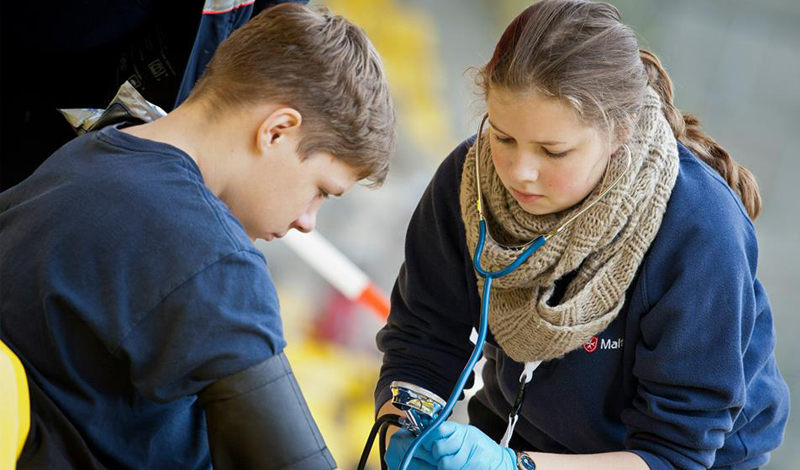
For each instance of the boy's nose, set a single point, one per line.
(306, 222)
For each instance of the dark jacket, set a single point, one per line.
(685, 376)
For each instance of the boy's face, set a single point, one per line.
(249, 159)
(272, 189)
(283, 192)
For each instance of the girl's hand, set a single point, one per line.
(462, 447)
(398, 444)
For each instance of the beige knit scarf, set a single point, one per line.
(605, 245)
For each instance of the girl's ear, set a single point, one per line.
(624, 130)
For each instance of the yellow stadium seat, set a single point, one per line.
(15, 409)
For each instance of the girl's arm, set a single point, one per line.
(605, 461)
(426, 340)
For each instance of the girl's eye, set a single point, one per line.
(509, 141)
(502, 140)
(555, 155)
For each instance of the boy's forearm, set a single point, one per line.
(388, 408)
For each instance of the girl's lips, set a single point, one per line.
(525, 197)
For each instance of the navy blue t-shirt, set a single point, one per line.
(685, 376)
(126, 287)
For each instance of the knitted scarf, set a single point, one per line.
(604, 246)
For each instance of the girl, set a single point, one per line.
(652, 336)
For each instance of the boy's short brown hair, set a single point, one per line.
(320, 64)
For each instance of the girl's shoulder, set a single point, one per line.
(705, 236)
(450, 169)
(702, 200)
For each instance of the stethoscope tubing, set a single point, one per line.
(488, 276)
(462, 379)
(534, 245)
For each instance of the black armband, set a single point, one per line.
(258, 418)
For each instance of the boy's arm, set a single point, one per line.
(258, 418)
(385, 409)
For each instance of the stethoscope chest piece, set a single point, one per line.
(420, 406)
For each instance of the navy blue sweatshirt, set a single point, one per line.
(685, 376)
(126, 287)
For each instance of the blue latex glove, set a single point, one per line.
(398, 444)
(457, 446)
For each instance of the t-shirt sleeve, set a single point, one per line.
(706, 334)
(426, 339)
(220, 321)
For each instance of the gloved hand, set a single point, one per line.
(457, 446)
(398, 444)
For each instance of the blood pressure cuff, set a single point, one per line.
(258, 418)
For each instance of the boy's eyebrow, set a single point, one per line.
(506, 133)
(336, 192)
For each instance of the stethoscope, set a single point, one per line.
(442, 413)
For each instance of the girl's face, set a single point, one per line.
(546, 158)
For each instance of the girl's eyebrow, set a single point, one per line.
(539, 143)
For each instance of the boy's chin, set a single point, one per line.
(268, 237)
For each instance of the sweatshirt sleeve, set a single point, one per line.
(706, 339)
(426, 339)
(220, 321)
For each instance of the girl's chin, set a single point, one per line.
(537, 211)
(542, 207)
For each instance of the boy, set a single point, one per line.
(130, 288)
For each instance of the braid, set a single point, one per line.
(687, 129)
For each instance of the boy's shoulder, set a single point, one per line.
(119, 189)
(163, 186)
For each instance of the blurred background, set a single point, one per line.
(735, 64)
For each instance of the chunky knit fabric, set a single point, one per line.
(604, 246)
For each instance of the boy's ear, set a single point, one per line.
(277, 127)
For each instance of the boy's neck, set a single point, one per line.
(209, 143)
